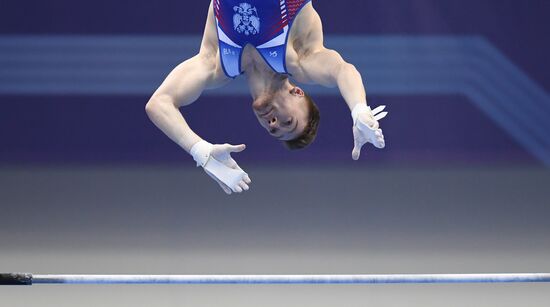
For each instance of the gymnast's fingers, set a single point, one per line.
(225, 188)
(234, 148)
(244, 186)
(356, 153)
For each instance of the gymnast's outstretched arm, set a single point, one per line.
(182, 87)
(326, 67)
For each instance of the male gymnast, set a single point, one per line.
(270, 42)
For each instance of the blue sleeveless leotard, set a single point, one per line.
(264, 24)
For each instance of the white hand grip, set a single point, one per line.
(229, 176)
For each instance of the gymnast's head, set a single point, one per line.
(289, 115)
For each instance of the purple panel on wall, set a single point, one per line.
(117, 130)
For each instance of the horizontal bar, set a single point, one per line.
(292, 279)
(15, 279)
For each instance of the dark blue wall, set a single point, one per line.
(420, 129)
(519, 28)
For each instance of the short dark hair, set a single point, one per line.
(310, 132)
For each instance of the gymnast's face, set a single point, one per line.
(284, 114)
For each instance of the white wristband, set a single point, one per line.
(201, 152)
(359, 109)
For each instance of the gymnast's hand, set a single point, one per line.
(217, 162)
(366, 128)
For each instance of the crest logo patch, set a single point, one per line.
(246, 19)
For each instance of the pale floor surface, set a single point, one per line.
(171, 220)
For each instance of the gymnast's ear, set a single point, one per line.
(296, 91)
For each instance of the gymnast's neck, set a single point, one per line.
(263, 81)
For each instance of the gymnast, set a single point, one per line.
(274, 43)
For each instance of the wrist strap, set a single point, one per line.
(359, 109)
(201, 152)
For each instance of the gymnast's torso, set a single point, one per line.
(252, 34)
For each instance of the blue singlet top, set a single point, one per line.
(264, 24)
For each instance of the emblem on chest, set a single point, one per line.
(246, 20)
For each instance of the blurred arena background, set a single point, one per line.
(89, 185)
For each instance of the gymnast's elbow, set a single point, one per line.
(346, 69)
(156, 104)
